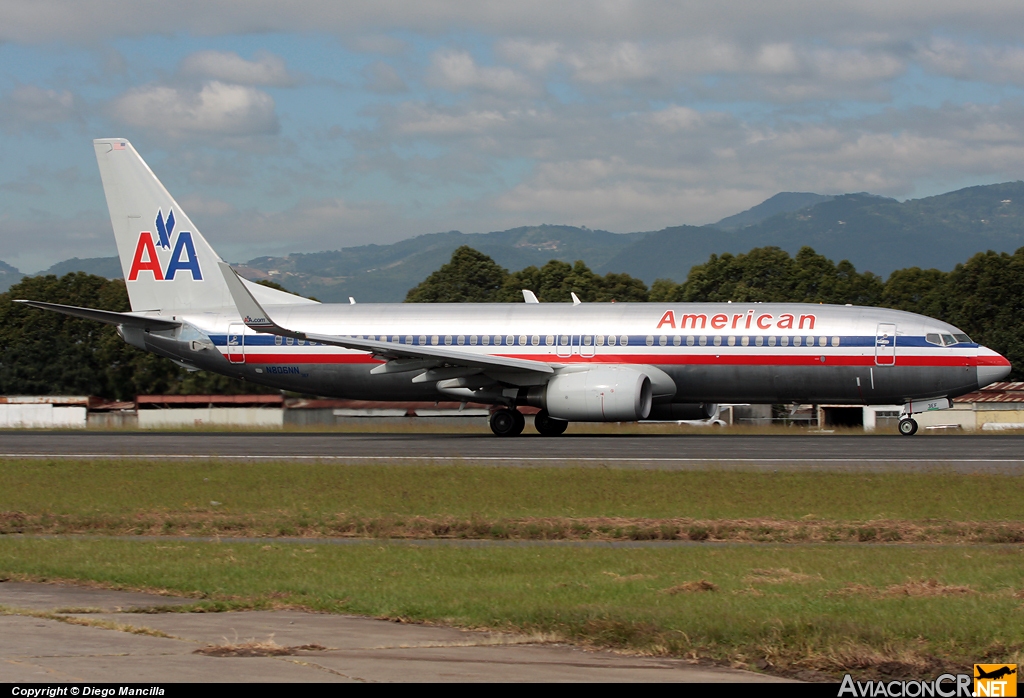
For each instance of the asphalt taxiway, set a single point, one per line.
(960, 453)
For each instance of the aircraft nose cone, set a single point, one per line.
(992, 367)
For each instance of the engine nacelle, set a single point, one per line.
(685, 411)
(605, 394)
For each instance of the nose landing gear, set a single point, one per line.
(908, 426)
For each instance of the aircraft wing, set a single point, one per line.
(256, 318)
(106, 316)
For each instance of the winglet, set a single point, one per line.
(252, 313)
(529, 296)
(575, 298)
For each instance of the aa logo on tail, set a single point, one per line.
(182, 258)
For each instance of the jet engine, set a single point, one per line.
(605, 394)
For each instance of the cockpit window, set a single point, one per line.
(948, 340)
(932, 338)
(961, 337)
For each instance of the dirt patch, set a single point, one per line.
(267, 648)
(691, 587)
(780, 575)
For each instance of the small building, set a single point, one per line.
(44, 411)
(170, 411)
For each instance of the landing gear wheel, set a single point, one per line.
(546, 426)
(507, 422)
(520, 422)
(908, 426)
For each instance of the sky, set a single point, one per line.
(306, 126)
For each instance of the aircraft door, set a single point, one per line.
(885, 344)
(236, 343)
(563, 347)
(586, 344)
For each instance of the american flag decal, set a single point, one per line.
(119, 145)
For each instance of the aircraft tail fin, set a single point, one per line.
(168, 266)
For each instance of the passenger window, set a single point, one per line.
(771, 341)
(472, 340)
(677, 340)
(624, 340)
(732, 341)
(835, 341)
(510, 341)
(522, 340)
(758, 340)
(277, 340)
(718, 340)
(535, 340)
(599, 340)
(422, 340)
(784, 341)
(650, 340)
(549, 340)
(703, 341)
(485, 339)
(933, 338)
(663, 340)
(745, 341)
(611, 340)
(797, 341)
(689, 340)
(408, 339)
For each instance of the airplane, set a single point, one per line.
(588, 362)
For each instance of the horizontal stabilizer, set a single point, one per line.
(106, 316)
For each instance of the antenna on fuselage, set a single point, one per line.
(575, 298)
(351, 300)
(529, 296)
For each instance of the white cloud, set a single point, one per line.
(994, 64)
(267, 70)
(216, 109)
(457, 71)
(28, 106)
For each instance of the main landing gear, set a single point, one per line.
(506, 422)
(908, 426)
(547, 425)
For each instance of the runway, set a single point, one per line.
(962, 453)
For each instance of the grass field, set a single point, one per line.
(875, 611)
(876, 597)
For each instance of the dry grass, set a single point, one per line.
(911, 587)
(254, 648)
(780, 575)
(279, 524)
(77, 620)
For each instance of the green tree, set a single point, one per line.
(46, 353)
(555, 281)
(985, 299)
(470, 277)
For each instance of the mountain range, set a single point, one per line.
(875, 233)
